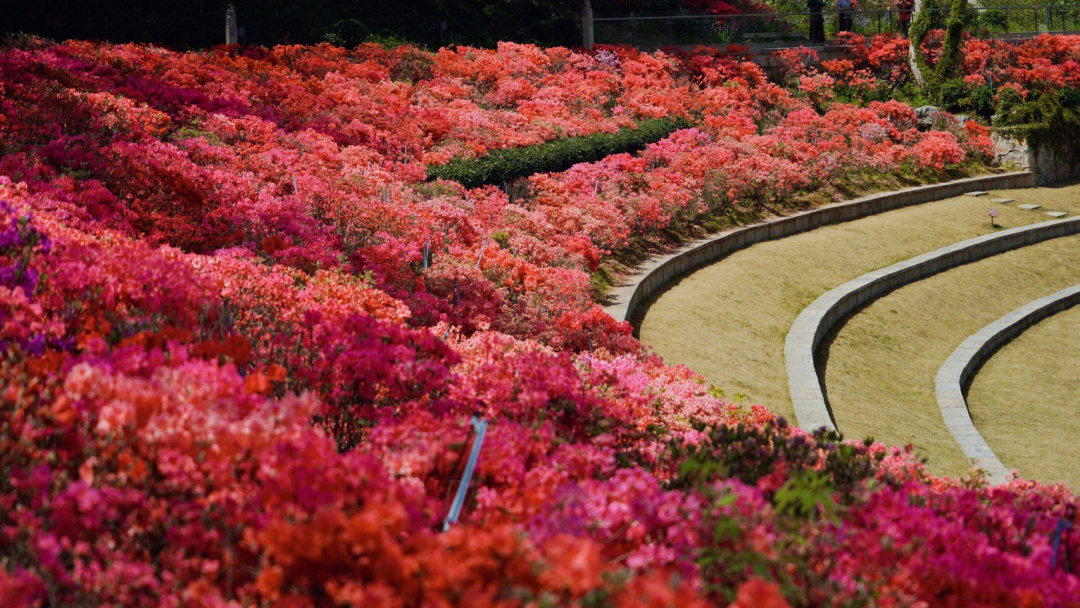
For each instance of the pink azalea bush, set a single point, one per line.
(243, 337)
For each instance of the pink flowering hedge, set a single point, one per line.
(243, 336)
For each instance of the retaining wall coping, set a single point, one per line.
(656, 272)
(814, 322)
(955, 375)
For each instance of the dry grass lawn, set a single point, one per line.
(1026, 401)
(882, 362)
(728, 321)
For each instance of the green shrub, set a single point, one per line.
(347, 33)
(1044, 121)
(971, 20)
(982, 101)
(993, 20)
(1070, 97)
(502, 238)
(1010, 108)
(953, 93)
(502, 166)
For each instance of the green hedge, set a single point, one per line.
(501, 166)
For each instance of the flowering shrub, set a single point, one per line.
(1045, 62)
(242, 337)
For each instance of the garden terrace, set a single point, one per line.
(1024, 400)
(729, 320)
(243, 335)
(954, 376)
(897, 343)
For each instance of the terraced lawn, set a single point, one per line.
(1026, 401)
(728, 320)
(881, 365)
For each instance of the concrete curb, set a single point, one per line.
(659, 271)
(815, 321)
(956, 374)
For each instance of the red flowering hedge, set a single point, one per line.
(242, 338)
(878, 64)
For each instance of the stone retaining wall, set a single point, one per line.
(956, 374)
(817, 319)
(658, 272)
(1047, 165)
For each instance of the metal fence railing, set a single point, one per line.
(787, 27)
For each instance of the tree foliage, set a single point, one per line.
(948, 61)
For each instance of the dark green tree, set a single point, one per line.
(948, 62)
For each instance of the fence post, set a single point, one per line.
(230, 25)
(586, 25)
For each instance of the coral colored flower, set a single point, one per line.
(756, 593)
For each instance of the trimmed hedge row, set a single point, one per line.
(501, 166)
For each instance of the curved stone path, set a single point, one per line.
(958, 370)
(816, 320)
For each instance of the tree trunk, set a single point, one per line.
(949, 62)
(914, 42)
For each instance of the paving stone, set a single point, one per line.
(1029, 207)
(1056, 214)
(978, 193)
(1002, 201)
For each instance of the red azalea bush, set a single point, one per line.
(1045, 62)
(242, 339)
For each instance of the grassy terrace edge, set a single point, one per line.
(509, 164)
(956, 375)
(636, 289)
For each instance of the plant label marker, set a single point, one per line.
(481, 258)
(1062, 525)
(480, 426)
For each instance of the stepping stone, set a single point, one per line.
(1002, 201)
(978, 193)
(1056, 214)
(1029, 207)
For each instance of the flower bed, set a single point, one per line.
(243, 336)
(878, 65)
